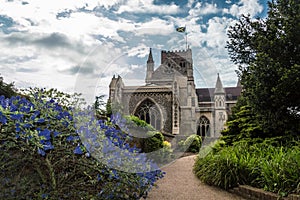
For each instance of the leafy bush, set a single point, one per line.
(191, 144)
(164, 155)
(153, 141)
(262, 165)
(50, 151)
(145, 136)
(140, 123)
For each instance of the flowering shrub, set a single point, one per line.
(50, 151)
(167, 144)
(165, 155)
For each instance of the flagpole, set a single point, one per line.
(182, 29)
(185, 40)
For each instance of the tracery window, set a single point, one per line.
(203, 128)
(149, 112)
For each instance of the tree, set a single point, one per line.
(243, 123)
(7, 90)
(268, 53)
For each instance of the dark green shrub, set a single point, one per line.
(265, 165)
(221, 168)
(8, 90)
(153, 141)
(145, 136)
(191, 144)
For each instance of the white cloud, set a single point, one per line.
(140, 51)
(252, 7)
(154, 27)
(47, 51)
(204, 9)
(190, 3)
(41, 17)
(216, 32)
(147, 6)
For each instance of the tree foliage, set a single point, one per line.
(6, 89)
(268, 53)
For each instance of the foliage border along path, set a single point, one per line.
(181, 183)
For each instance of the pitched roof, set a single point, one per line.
(207, 94)
(232, 93)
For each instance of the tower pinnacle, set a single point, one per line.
(150, 58)
(150, 67)
(219, 86)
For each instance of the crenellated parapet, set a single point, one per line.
(178, 55)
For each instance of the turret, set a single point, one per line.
(150, 67)
(220, 107)
(219, 86)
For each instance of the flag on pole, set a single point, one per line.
(180, 29)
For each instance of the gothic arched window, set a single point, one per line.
(203, 128)
(149, 112)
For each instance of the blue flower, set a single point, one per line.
(13, 108)
(46, 133)
(41, 120)
(47, 145)
(65, 123)
(115, 174)
(44, 196)
(41, 152)
(99, 178)
(78, 150)
(27, 125)
(3, 119)
(25, 109)
(16, 116)
(18, 127)
(72, 138)
(55, 133)
(35, 114)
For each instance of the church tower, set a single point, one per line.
(220, 107)
(150, 67)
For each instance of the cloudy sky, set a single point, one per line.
(78, 45)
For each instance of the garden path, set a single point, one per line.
(181, 183)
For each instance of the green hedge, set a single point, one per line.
(261, 165)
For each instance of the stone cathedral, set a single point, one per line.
(169, 100)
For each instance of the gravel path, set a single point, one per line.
(181, 183)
